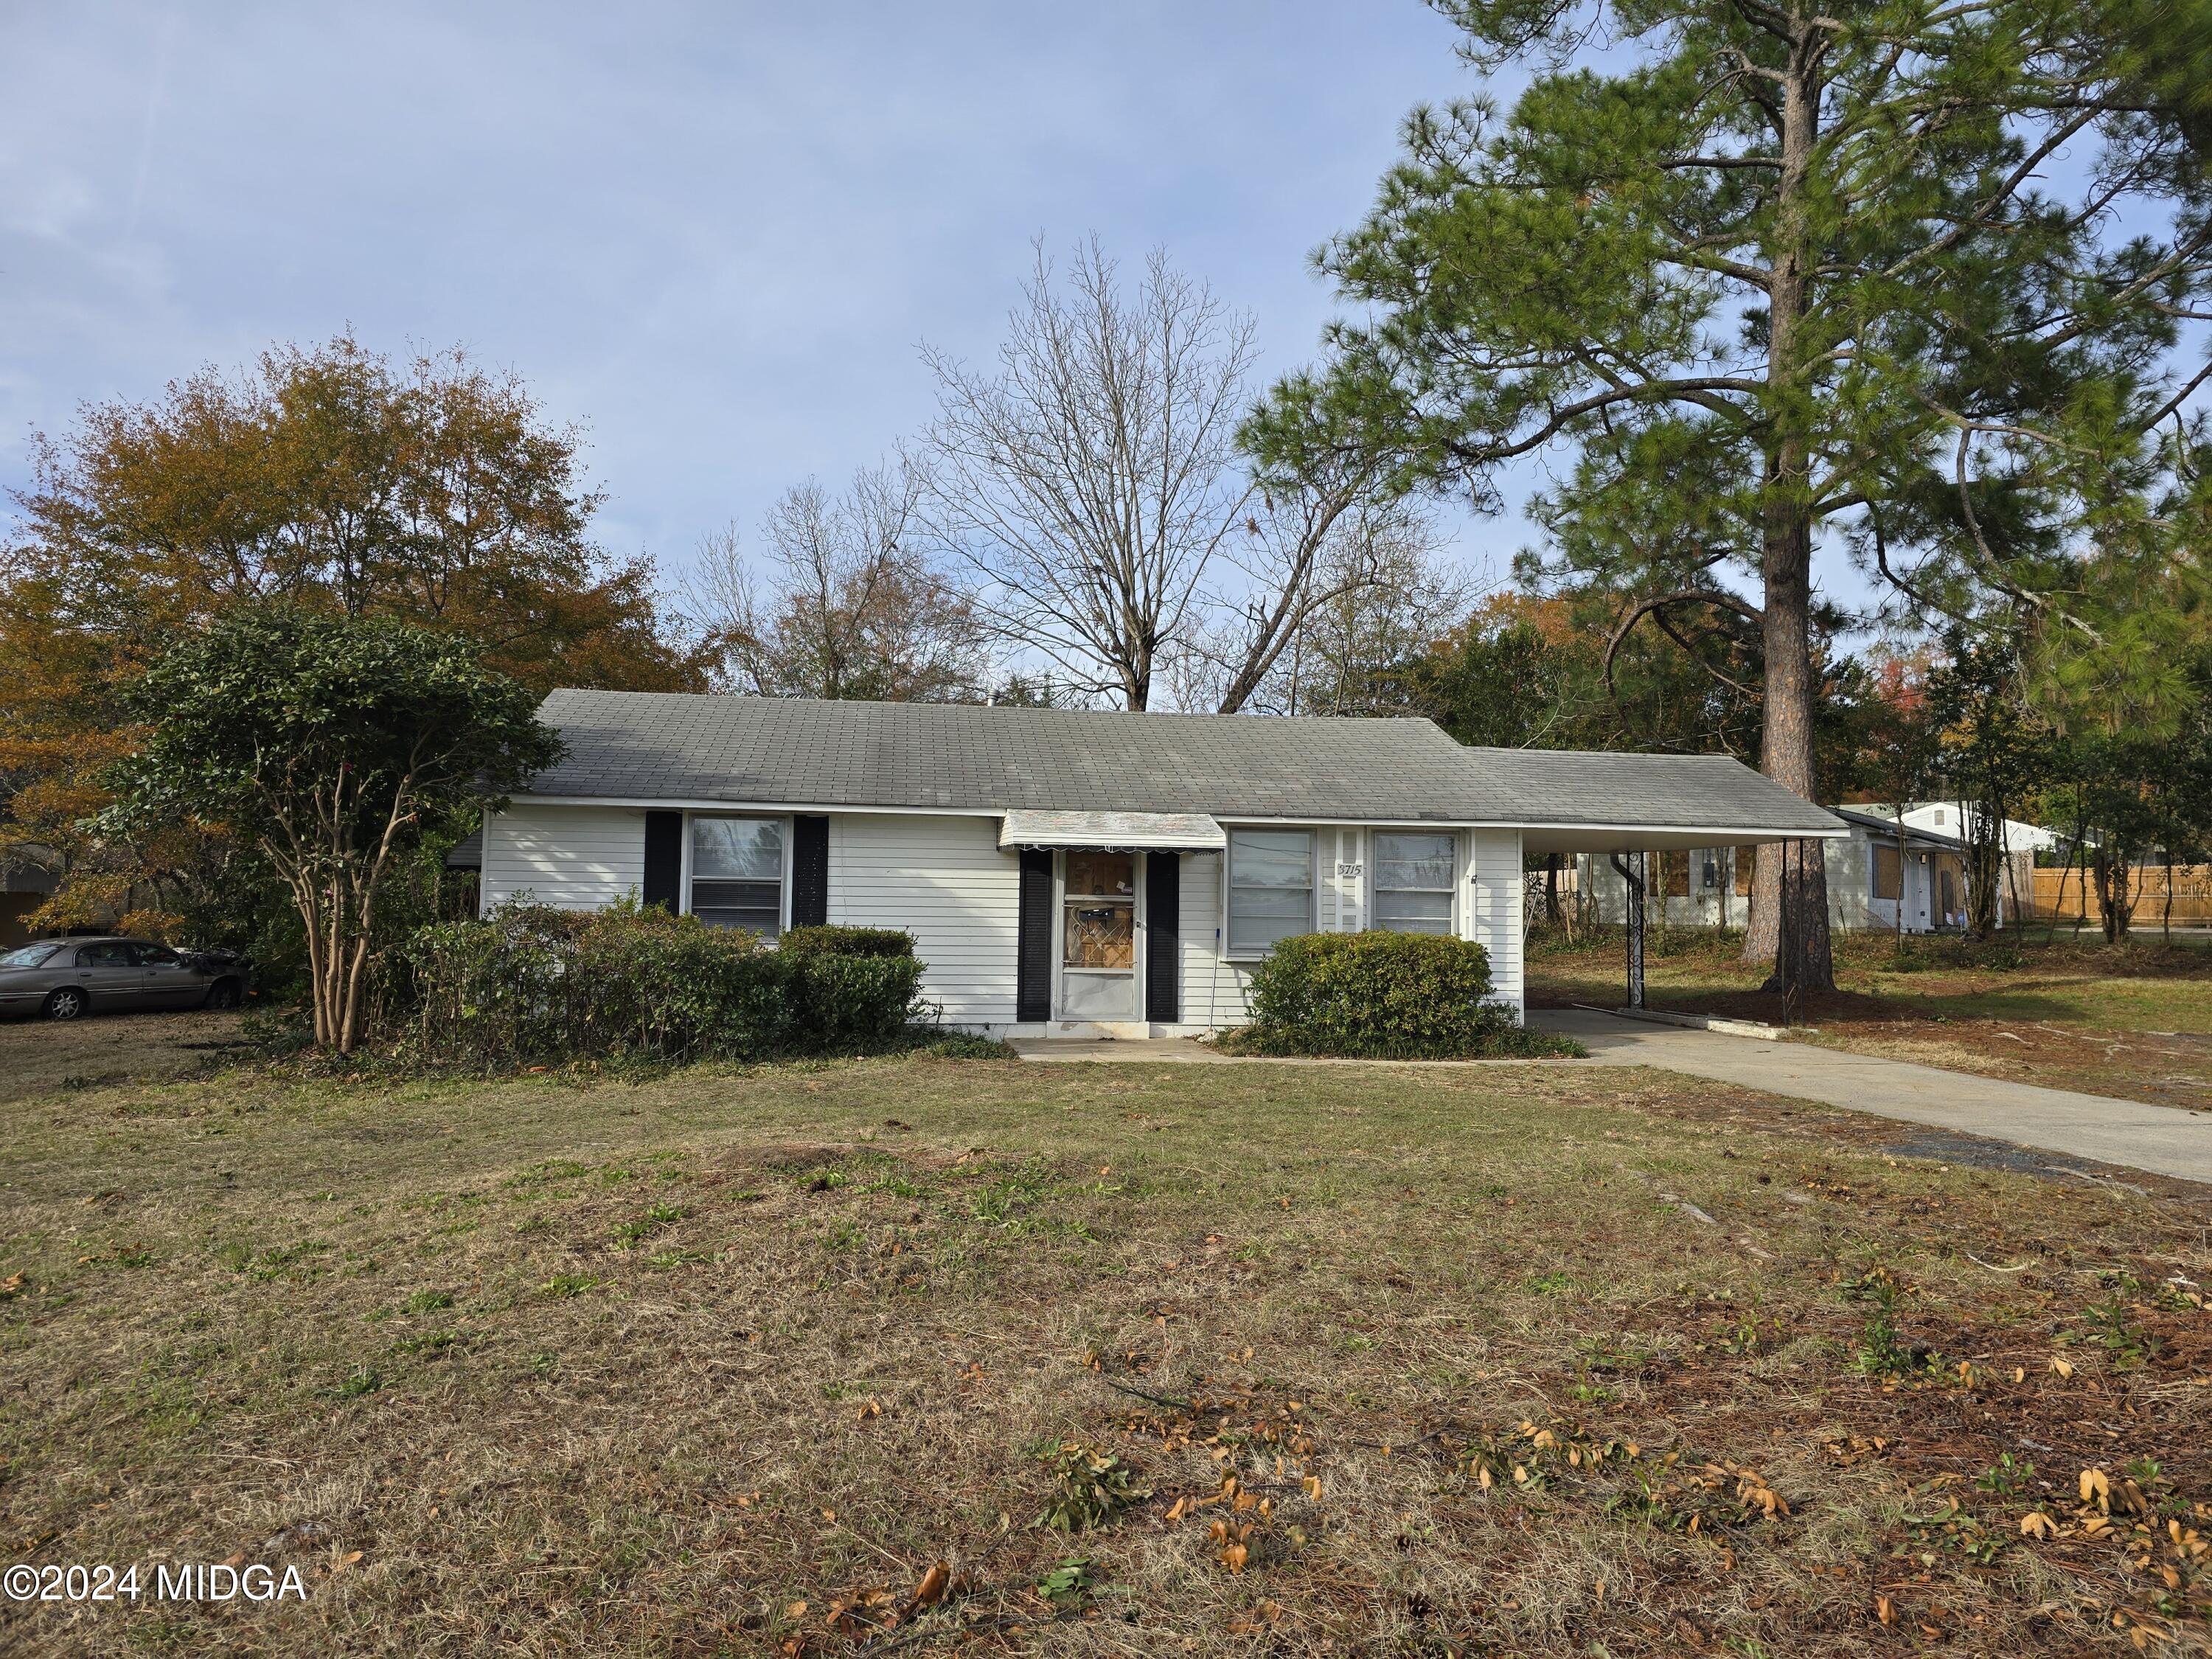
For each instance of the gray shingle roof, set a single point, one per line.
(644, 745)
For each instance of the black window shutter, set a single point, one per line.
(810, 872)
(1033, 940)
(664, 859)
(1162, 962)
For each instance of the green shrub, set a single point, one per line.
(1404, 996)
(846, 942)
(532, 985)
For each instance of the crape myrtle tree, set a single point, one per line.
(330, 742)
(1759, 269)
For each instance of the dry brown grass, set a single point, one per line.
(592, 1366)
(2134, 1021)
(37, 1056)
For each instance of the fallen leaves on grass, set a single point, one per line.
(1092, 1486)
(931, 1590)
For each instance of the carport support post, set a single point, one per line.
(1632, 875)
(1785, 958)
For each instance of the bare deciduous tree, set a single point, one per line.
(1088, 482)
(1380, 592)
(1093, 492)
(1306, 545)
(849, 606)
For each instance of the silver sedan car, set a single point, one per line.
(70, 978)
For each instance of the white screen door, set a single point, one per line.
(1098, 936)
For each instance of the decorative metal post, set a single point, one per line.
(1632, 875)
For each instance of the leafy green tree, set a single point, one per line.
(1992, 753)
(1769, 268)
(2132, 792)
(329, 743)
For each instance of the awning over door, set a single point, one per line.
(1180, 830)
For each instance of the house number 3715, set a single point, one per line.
(1349, 869)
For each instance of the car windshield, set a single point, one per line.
(28, 956)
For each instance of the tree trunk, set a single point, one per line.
(1786, 559)
(1551, 889)
(1983, 854)
(1901, 877)
(2113, 899)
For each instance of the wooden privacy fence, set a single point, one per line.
(2147, 892)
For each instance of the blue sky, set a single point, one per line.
(713, 235)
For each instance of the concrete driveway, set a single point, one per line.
(2166, 1141)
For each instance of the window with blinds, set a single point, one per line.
(1414, 882)
(738, 873)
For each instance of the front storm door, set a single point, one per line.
(1099, 936)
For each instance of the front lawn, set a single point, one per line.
(1309, 1360)
(38, 1054)
(2134, 1021)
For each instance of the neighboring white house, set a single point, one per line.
(1075, 872)
(1945, 817)
(1871, 876)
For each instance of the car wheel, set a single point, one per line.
(224, 994)
(68, 1003)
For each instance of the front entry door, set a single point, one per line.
(1098, 936)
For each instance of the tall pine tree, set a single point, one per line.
(1765, 268)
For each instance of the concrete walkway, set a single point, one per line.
(1181, 1050)
(1184, 1051)
(2166, 1141)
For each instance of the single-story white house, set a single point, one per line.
(1076, 872)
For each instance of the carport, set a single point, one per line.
(1754, 812)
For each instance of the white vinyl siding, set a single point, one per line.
(572, 858)
(1491, 915)
(945, 881)
(1343, 881)
(1215, 991)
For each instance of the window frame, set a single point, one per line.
(1230, 950)
(784, 832)
(1372, 922)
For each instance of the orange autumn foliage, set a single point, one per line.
(334, 477)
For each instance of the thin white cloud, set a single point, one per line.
(715, 233)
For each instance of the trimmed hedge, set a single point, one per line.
(847, 941)
(532, 985)
(1381, 995)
